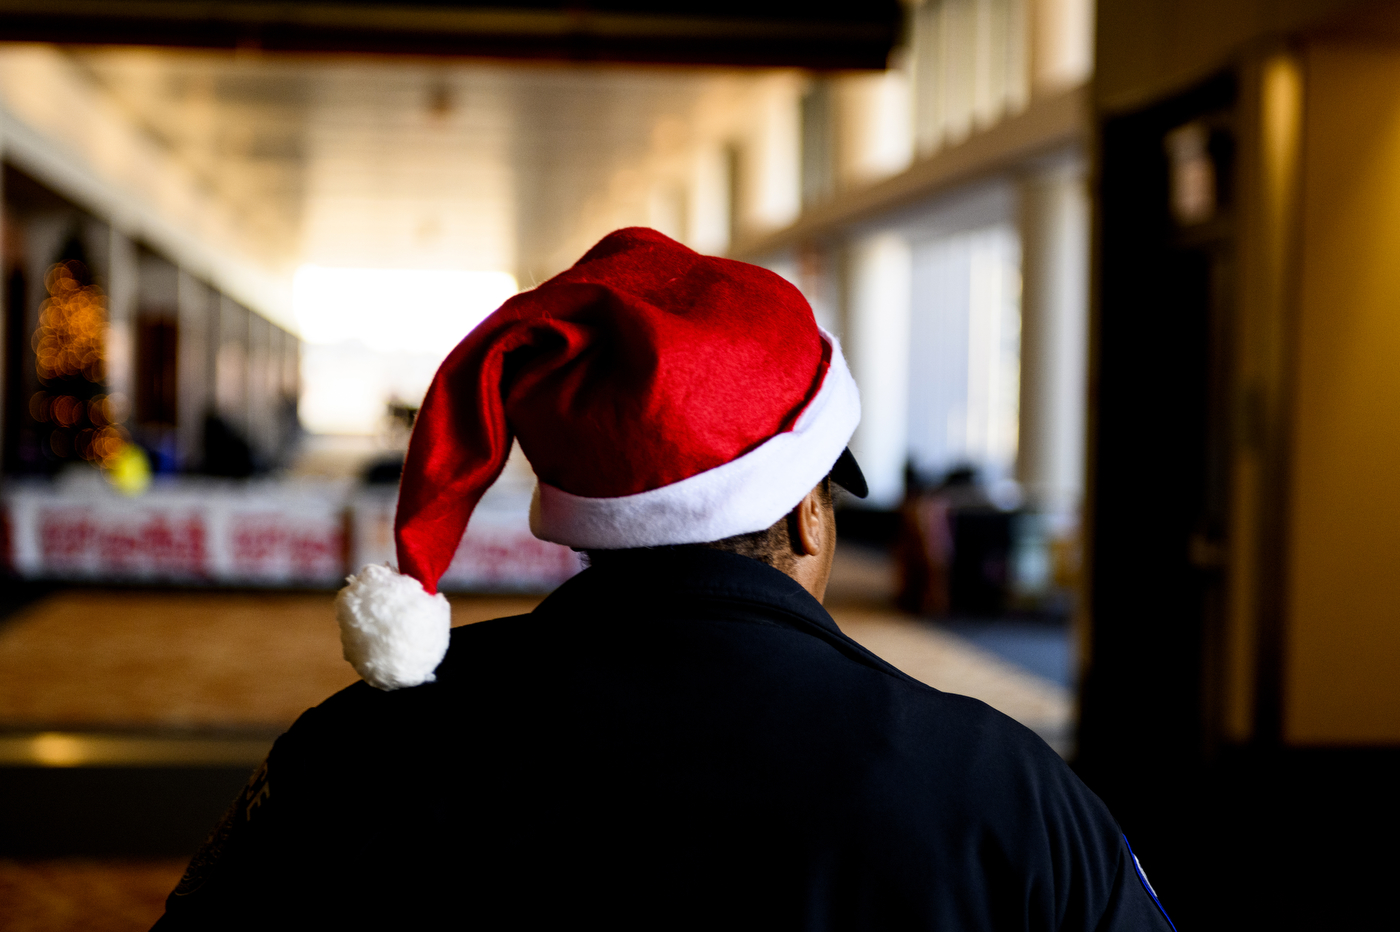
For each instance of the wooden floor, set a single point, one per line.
(195, 660)
(183, 660)
(952, 664)
(84, 895)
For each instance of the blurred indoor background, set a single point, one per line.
(1120, 286)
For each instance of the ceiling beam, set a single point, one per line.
(819, 35)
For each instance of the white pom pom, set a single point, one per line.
(393, 633)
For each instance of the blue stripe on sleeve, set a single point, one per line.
(1147, 885)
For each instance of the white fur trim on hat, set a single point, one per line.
(392, 632)
(746, 494)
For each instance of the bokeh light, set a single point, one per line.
(72, 327)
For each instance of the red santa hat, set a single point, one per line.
(661, 396)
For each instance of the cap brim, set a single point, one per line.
(846, 473)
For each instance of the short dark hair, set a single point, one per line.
(772, 545)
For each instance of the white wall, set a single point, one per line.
(708, 207)
(964, 352)
(1062, 44)
(121, 314)
(877, 328)
(873, 132)
(1055, 249)
(774, 184)
(969, 65)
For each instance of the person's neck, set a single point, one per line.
(810, 571)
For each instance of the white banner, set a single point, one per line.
(497, 554)
(268, 533)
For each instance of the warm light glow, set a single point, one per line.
(376, 336)
(395, 310)
(72, 327)
(53, 749)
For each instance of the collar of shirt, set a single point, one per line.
(691, 573)
(701, 580)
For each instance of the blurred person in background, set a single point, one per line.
(680, 736)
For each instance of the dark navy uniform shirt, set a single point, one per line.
(675, 739)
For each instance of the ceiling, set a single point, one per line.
(812, 34)
(407, 163)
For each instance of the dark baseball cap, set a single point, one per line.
(846, 473)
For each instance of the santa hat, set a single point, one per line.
(662, 397)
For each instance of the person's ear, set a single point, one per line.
(811, 526)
